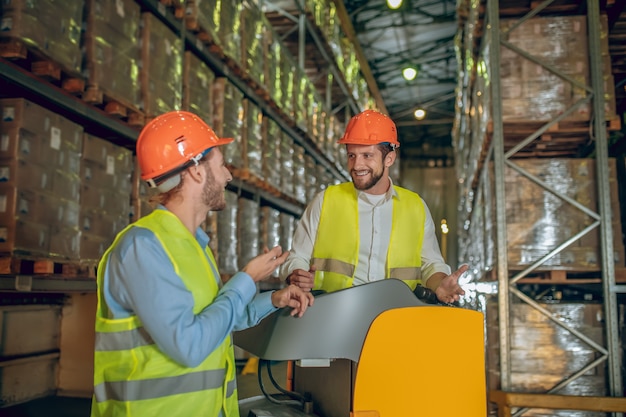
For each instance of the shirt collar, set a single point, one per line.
(391, 193)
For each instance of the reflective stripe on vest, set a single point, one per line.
(124, 340)
(159, 387)
(131, 374)
(335, 254)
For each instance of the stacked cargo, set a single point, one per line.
(66, 191)
(272, 139)
(228, 241)
(228, 119)
(252, 141)
(311, 179)
(299, 177)
(39, 170)
(106, 171)
(29, 333)
(254, 28)
(210, 227)
(140, 204)
(544, 354)
(248, 230)
(287, 166)
(52, 29)
(113, 52)
(198, 81)
(538, 221)
(161, 74)
(549, 191)
(532, 91)
(269, 238)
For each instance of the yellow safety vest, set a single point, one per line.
(336, 249)
(132, 377)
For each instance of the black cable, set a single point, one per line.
(268, 395)
(292, 394)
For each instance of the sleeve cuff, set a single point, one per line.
(243, 284)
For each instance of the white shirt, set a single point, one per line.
(375, 212)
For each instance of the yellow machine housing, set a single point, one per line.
(389, 354)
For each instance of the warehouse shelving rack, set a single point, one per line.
(498, 157)
(17, 80)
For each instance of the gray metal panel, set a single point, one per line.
(334, 327)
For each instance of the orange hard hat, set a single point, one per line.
(370, 128)
(171, 142)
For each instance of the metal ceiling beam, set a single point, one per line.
(348, 29)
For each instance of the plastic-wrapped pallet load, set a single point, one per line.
(26, 332)
(532, 92)
(270, 230)
(113, 49)
(289, 80)
(272, 139)
(310, 177)
(253, 139)
(273, 68)
(287, 228)
(52, 28)
(301, 88)
(141, 194)
(287, 185)
(544, 354)
(210, 227)
(254, 55)
(161, 74)
(39, 169)
(248, 226)
(198, 81)
(227, 224)
(229, 28)
(228, 119)
(538, 221)
(299, 178)
(106, 171)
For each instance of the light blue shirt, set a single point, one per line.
(139, 279)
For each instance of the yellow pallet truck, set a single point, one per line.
(373, 350)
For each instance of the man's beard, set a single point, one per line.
(369, 184)
(212, 195)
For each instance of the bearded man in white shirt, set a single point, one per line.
(369, 229)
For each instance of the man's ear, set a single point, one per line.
(196, 173)
(390, 158)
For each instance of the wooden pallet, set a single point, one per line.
(526, 127)
(117, 108)
(33, 60)
(34, 265)
(561, 276)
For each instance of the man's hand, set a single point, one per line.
(262, 266)
(293, 297)
(303, 279)
(449, 290)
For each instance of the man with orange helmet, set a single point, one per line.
(369, 229)
(164, 319)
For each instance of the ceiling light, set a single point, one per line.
(420, 114)
(394, 4)
(409, 73)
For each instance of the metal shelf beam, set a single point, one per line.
(68, 104)
(46, 283)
